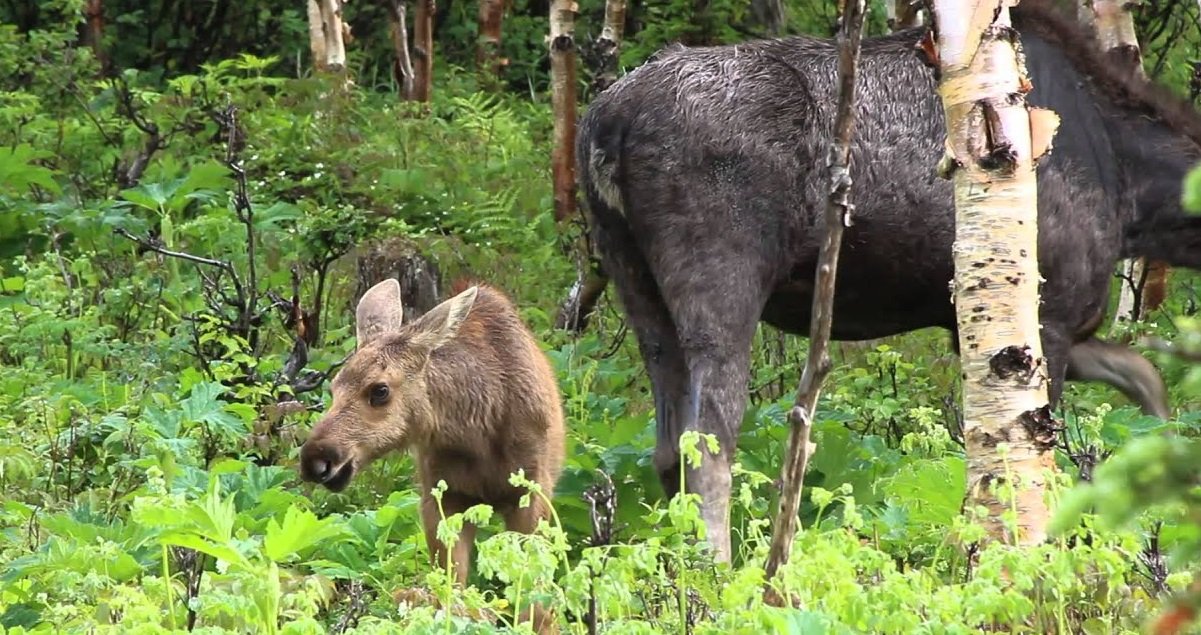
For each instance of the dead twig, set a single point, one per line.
(838, 215)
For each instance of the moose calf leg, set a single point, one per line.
(525, 520)
(461, 552)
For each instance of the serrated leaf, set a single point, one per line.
(930, 491)
(300, 530)
(18, 172)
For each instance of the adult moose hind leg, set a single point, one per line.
(715, 306)
(694, 333)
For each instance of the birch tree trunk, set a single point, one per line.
(563, 103)
(487, 52)
(398, 29)
(423, 50)
(608, 45)
(316, 36)
(993, 142)
(326, 31)
(590, 283)
(1143, 283)
(335, 46)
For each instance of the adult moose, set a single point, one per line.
(703, 172)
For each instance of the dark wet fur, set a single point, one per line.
(704, 175)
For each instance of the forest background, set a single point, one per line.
(151, 406)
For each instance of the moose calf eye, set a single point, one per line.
(378, 395)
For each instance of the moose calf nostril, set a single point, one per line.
(320, 463)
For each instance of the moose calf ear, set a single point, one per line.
(379, 312)
(442, 323)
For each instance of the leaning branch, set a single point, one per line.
(838, 215)
(157, 248)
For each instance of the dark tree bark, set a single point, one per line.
(400, 258)
(94, 32)
(487, 53)
(423, 50)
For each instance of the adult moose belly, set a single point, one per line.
(892, 278)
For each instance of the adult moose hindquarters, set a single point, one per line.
(466, 387)
(703, 172)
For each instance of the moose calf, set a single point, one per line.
(466, 387)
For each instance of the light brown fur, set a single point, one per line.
(468, 391)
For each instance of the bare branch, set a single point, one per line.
(158, 248)
(838, 215)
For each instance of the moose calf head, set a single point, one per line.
(380, 398)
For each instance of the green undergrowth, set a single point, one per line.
(151, 410)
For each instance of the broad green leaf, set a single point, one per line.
(1190, 193)
(931, 491)
(18, 170)
(300, 530)
(217, 550)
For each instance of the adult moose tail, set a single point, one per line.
(1175, 240)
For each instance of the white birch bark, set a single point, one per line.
(1006, 425)
(316, 35)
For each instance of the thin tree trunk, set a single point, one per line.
(994, 140)
(903, 14)
(563, 104)
(817, 366)
(94, 35)
(487, 53)
(423, 50)
(1143, 283)
(591, 280)
(769, 14)
(335, 46)
(316, 36)
(1114, 24)
(403, 66)
(608, 45)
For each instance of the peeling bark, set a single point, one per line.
(817, 365)
(403, 66)
(487, 52)
(423, 50)
(992, 152)
(563, 104)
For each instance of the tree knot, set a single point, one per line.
(1041, 427)
(1013, 361)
